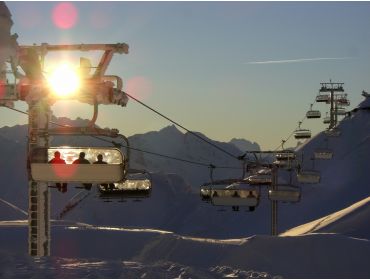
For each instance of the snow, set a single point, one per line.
(352, 221)
(80, 251)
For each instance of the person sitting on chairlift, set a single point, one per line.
(81, 160)
(100, 161)
(62, 187)
(236, 207)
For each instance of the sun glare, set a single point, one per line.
(64, 81)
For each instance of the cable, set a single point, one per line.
(140, 150)
(179, 125)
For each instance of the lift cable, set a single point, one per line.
(210, 165)
(179, 125)
(165, 156)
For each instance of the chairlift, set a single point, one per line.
(302, 133)
(326, 119)
(285, 155)
(285, 193)
(313, 114)
(309, 177)
(340, 111)
(323, 154)
(343, 101)
(263, 177)
(42, 171)
(237, 194)
(206, 188)
(137, 184)
(322, 97)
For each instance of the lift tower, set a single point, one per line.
(336, 95)
(31, 86)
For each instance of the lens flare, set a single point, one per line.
(64, 81)
(65, 15)
(139, 87)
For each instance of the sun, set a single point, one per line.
(64, 81)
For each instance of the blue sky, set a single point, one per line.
(193, 61)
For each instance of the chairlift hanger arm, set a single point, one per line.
(44, 48)
(88, 131)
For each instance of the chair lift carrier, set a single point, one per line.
(113, 171)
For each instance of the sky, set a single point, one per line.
(227, 69)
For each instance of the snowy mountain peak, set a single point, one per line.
(170, 130)
(245, 145)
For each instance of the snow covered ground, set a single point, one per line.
(81, 250)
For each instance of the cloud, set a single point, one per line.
(297, 60)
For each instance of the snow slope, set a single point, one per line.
(352, 221)
(80, 251)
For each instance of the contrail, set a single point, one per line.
(14, 207)
(297, 60)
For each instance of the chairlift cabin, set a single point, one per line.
(341, 111)
(285, 193)
(313, 114)
(137, 184)
(309, 177)
(326, 120)
(322, 97)
(285, 155)
(237, 194)
(323, 154)
(285, 164)
(343, 101)
(43, 171)
(263, 177)
(302, 133)
(206, 188)
(285, 159)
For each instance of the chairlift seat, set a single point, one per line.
(138, 188)
(341, 111)
(259, 179)
(309, 177)
(326, 120)
(323, 154)
(322, 98)
(313, 114)
(302, 134)
(285, 193)
(235, 197)
(285, 155)
(42, 171)
(285, 164)
(205, 189)
(344, 102)
(77, 173)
